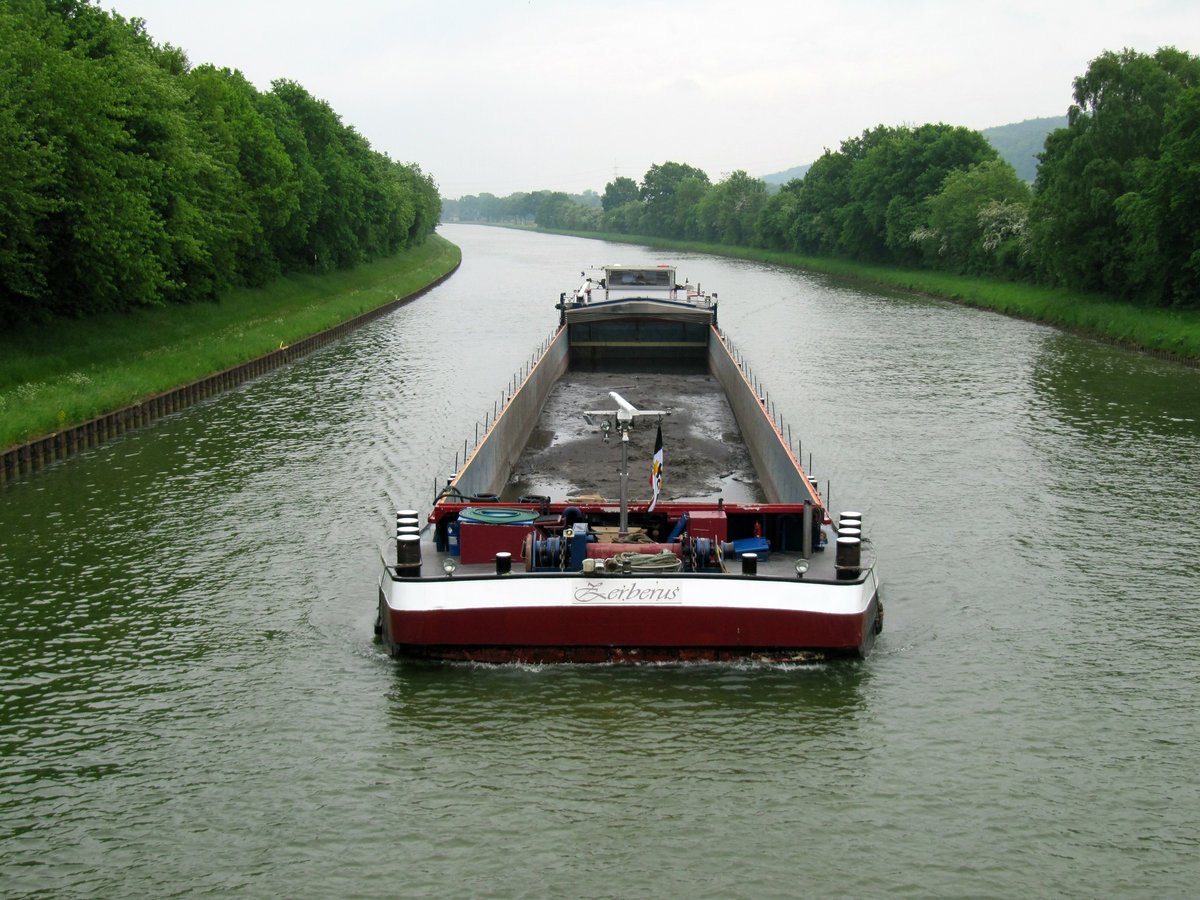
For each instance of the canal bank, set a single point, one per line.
(255, 332)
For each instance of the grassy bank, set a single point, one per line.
(1172, 332)
(70, 371)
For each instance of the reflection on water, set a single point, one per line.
(192, 702)
(1115, 396)
(819, 698)
(1117, 435)
(610, 769)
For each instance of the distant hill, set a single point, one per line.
(787, 175)
(1021, 142)
(1018, 144)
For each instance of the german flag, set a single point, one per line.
(656, 470)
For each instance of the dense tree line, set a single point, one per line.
(579, 212)
(129, 177)
(1115, 207)
(1117, 200)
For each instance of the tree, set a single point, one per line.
(822, 204)
(625, 219)
(28, 172)
(104, 238)
(266, 190)
(553, 211)
(1162, 217)
(290, 239)
(426, 202)
(522, 206)
(683, 220)
(728, 212)
(825, 217)
(1174, 192)
(1085, 234)
(964, 228)
(658, 192)
(776, 218)
(890, 182)
(334, 239)
(618, 192)
(128, 178)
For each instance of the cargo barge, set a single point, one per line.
(633, 498)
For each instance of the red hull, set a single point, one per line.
(598, 634)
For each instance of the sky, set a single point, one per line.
(564, 95)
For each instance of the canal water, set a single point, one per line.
(192, 702)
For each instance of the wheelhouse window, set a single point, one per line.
(635, 278)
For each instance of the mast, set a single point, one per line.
(623, 419)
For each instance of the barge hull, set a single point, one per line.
(535, 631)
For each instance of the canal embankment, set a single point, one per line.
(68, 385)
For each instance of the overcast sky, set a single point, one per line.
(522, 95)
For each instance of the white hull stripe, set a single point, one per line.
(701, 593)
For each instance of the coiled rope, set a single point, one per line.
(663, 561)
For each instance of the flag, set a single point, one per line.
(656, 470)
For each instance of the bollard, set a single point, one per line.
(408, 555)
(749, 563)
(407, 517)
(849, 558)
(503, 563)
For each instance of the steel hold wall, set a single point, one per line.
(487, 470)
(778, 471)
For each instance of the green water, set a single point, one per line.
(192, 702)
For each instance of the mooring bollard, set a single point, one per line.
(849, 558)
(749, 563)
(408, 555)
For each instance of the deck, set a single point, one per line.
(778, 564)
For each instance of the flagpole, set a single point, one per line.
(622, 418)
(623, 530)
(656, 466)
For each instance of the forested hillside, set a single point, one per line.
(787, 174)
(1114, 209)
(1020, 143)
(129, 177)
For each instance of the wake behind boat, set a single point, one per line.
(543, 547)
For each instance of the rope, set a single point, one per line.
(637, 537)
(664, 561)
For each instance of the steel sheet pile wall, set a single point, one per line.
(778, 472)
(488, 469)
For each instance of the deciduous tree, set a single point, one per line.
(1085, 234)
